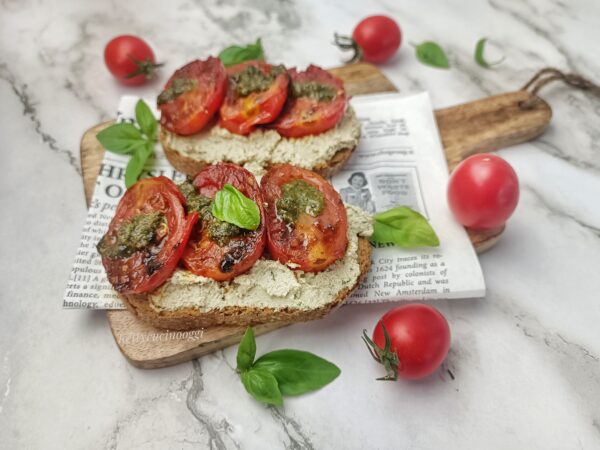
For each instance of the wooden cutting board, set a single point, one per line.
(475, 127)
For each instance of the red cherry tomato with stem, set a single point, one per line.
(411, 341)
(375, 39)
(483, 191)
(130, 60)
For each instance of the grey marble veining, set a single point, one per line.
(524, 366)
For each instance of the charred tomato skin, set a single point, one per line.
(304, 115)
(188, 110)
(239, 114)
(205, 257)
(311, 243)
(147, 269)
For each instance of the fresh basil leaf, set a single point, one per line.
(262, 385)
(479, 58)
(231, 206)
(431, 54)
(134, 169)
(403, 227)
(236, 54)
(145, 119)
(246, 350)
(127, 139)
(121, 138)
(136, 164)
(297, 372)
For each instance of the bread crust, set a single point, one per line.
(191, 166)
(191, 318)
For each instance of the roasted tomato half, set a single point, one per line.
(146, 237)
(192, 96)
(316, 103)
(256, 95)
(217, 249)
(306, 218)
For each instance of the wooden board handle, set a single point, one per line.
(490, 124)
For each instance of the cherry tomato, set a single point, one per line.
(203, 255)
(316, 104)
(311, 242)
(147, 268)
(419, 339)
(379, 38)
(483, 191)
(239, 113)
(130, 60)
(192, 96)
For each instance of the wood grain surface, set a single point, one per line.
(480, 126)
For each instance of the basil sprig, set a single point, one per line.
(237, 54)
(281, 372)
(432, 54)
(135, 139)
(403, 227)
(231, 206)
(479, 58)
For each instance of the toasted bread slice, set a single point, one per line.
(324, 153)
(190, 318)
(261, 295)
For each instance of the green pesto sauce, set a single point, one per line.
(314, 90)
(219, 231)
(194, 201)
(178, 87)
(133, 235)
(252, 79)
(222, 232)
(299, 197)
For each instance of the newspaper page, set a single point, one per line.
(399, 161)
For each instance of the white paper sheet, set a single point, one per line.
(401, 159)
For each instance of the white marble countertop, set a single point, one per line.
(525, 359)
